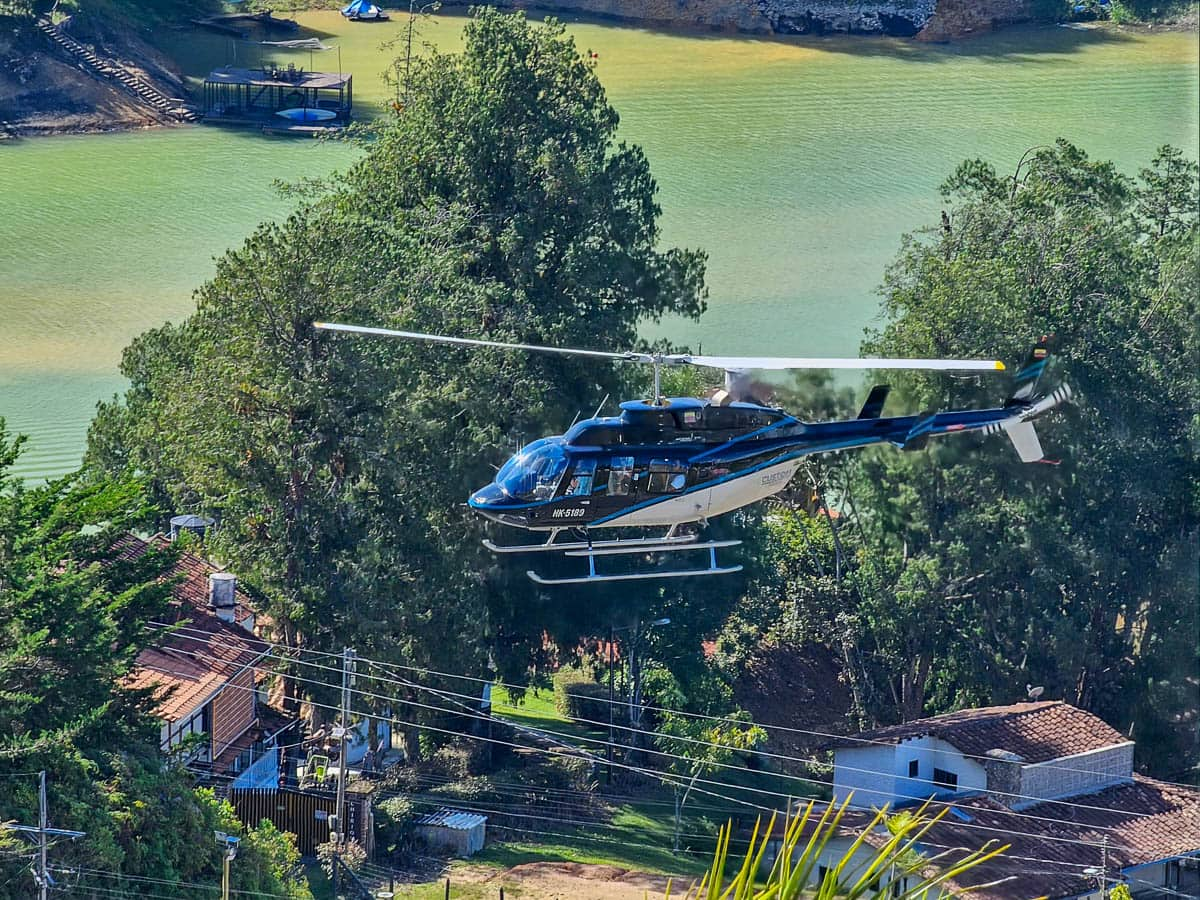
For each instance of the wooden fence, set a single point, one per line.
(305, 814)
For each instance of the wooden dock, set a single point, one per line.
(298, 130)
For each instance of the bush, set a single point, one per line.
(353, 855)
(394, 818)
(578, 696)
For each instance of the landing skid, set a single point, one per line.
(671, 542)
(549, 544)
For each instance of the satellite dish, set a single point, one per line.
(1034, 692)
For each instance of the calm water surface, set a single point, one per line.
(796, 164)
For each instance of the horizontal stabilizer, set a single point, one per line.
(873, 408)
(1025, 439)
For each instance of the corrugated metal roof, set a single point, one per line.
(453, 818)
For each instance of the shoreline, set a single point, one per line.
(133, 119)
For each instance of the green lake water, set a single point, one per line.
(796, 163)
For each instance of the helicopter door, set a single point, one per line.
(582, 478)
(620, 476)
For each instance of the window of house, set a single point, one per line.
(914, 770)
(1171, 878)
(945, 779)
(822, 871)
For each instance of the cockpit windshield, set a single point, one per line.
(534, 473)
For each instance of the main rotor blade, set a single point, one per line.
(473, 342)
(741, 363)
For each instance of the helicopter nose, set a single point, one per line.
(487, 497)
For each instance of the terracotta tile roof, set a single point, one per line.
(189, 665)
(1144, 820)
(1036, 732)
(1051, 843)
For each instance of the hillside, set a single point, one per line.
(44, 90)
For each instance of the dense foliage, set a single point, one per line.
(72, 617)
(497, 204)
(959, 575)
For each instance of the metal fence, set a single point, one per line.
(305, 814)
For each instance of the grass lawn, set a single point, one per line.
(641, 831)
(539, 711)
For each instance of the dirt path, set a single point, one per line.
(574, 881)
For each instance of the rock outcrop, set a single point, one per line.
(960, 18)
(949, 18)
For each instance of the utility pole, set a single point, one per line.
(43, 879)
(43, 831)
(343, 733)
(229, 845)
(337, 824)
(608, 772)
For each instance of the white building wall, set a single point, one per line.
(1069, 776)
(929, 753)
(832, 854)
(868, 772)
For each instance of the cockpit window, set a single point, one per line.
(582, 477)
(534, 473)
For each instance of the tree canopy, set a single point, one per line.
(73, 611)
(498, 203)
(969, 574)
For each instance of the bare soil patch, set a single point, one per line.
(575, 881)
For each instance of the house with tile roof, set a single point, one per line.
(1053, 782)
(204, 675)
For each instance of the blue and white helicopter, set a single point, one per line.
(676, 462)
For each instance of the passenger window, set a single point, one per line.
(582, 477)
(620, 476)
(666, 477)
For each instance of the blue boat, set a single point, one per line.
(364, 11)
(307, 115)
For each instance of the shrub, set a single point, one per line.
(394, 819)
(353, 855)
(577, 696)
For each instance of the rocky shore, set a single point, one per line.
(925, 19)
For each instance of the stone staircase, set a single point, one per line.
(170, 108)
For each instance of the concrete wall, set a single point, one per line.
(868, 772)
(930, 753)
(1084, 773)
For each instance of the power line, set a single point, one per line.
(482, 717)
(546, 732)
(109, 873)
(726, 719)
(666, 778)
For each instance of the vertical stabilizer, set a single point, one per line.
(1027, 377)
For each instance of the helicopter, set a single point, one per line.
(675, 462)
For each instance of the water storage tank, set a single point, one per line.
(197, 525)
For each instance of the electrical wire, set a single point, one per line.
(109, 873)
(662, 753)
(207, 638)
(481, 717)
(666, 780)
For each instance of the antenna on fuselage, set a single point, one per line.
(596, 414)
